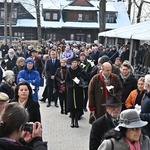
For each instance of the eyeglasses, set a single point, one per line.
(135, 129)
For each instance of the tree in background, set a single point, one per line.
(102, 18)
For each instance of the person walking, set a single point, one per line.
(127, 135)
(108, 121)
(100, 86)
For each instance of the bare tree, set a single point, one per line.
(139, 6)
(10, 21)
(37, 7)
(5, 20)
(129, 8)
(102, 18)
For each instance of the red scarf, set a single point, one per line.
(104, 84)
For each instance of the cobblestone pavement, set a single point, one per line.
(57, 131)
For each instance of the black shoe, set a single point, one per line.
(42, 100)
(76, 124)
(85, 109)
(62, 112)
(72, 123)
(56, 105)
(48, 105)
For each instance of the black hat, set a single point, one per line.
(74, 59)
(112, 100)
(104, 59)
(33, 50)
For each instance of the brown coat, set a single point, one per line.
(97, 93)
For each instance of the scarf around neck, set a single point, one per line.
(125, 77)
(135, 146)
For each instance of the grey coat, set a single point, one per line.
(122, 145)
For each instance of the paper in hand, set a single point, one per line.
(109, 87)
(76, 80)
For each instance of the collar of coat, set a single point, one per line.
(104, 85)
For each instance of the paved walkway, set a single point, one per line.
(57, 130)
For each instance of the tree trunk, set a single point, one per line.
(5, 20)
(129, 8)
(10, 21)
(139, 12)
(102, 18)
(37, 7)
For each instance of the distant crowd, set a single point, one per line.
(82, 78)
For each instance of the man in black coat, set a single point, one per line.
(51, 67)
(106, 122)
(128, 80)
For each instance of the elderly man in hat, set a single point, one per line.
(3, 100)
(108, 121)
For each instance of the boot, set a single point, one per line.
(72, 123)
(62, 108)
(76, 123)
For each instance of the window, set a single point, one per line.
(87, 17)
(55, 16)
(14, 14)
(88, 38)
(19, 34)
(110, 17)
(80, 17)
(71, 36)
(2, 14)
(47, 16)
(51, 36)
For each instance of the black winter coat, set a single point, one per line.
(129, 85)
(37, 145)
(99, 128)
(7, 62)
(75, 91)
(33, 109)
(145, 113)
(6, 88)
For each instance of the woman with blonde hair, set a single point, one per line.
(135, 97)
(19, 66)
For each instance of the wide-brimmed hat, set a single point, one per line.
(112, 100)
(130, 119)
(4, 97)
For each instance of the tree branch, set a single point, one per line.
(136, 3)
(146, 2)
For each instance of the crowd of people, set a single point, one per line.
(81, 77)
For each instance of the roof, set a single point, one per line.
(117, 7)
(139, 31)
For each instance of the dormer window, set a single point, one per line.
(111, 17)
(47, 16)
(55, 16)
(79, 17)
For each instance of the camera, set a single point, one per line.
(28, 126)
